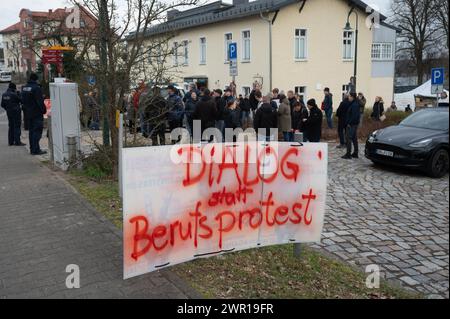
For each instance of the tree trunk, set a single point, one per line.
(114, 141)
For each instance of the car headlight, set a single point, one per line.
(372, 137)
(422, 143)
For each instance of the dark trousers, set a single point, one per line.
(26, 120)
(14, 121)
(329, 117)
(341, 133)
(173, 124)
(160, 131)
(352, 138)
(36, 126)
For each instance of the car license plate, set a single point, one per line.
(385, 153)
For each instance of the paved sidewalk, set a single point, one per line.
(45, 226)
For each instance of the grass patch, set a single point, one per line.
(274, 272)
(270, 272)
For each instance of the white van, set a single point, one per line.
(5, 76)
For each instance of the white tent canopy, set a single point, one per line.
(403, 99)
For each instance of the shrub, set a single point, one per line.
(98, 165)
(367, 127)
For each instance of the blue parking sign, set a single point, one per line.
(232, 51)
(437, 76)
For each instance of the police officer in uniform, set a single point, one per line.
(33, 104)
(11, 103)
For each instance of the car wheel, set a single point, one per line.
(438, 163)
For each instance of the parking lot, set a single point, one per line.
(394, 218)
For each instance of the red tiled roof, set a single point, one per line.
(11, 29)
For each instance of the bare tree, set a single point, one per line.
(14, 49)
(127, 53)
(419, 30)
(441, 7)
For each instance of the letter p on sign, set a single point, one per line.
(232, 51)
(437, 76)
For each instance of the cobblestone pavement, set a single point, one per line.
(45, 226)
(394, 218)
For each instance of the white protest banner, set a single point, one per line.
(189, 201)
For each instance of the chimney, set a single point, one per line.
(50, 11)
(239, 2)
(171, 14)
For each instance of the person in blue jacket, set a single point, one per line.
(33, 103)
(11, 103)
(327, 107)
(351, 122)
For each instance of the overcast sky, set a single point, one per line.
(9, 10)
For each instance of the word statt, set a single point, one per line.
(184, 202)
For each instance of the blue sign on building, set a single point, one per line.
(437, 76)
(232, 51)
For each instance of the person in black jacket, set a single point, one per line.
(341, 114)
(244, 106)
(11, 103)
(313, 124)
(221, 104)
(232, 116)
(351, 122)
(33, 103)
(266, 117)
(378, 109)
(205, 111)
(299, 113)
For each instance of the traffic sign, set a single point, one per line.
(437, 89)
(233, 68)
(437, 76)
(232, 51)
(91, 80)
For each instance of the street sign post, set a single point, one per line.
(232, 56)
(437, 82)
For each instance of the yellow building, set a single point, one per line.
(301, 45)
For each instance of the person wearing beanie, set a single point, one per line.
(11, 103)
(33, 104)
(232, 117)
(313, 123)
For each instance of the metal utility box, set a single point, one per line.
(65, 120)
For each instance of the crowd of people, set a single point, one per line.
(274, 116)
(283, 113)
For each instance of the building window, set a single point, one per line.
(186, 52)
(246, 91)
(301, 91)
(175, 53)
(348, 45)
(228, 40)
(300, 44)
(382, 51)
(246, 45)
(202, 50)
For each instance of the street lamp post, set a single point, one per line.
(349, 28)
